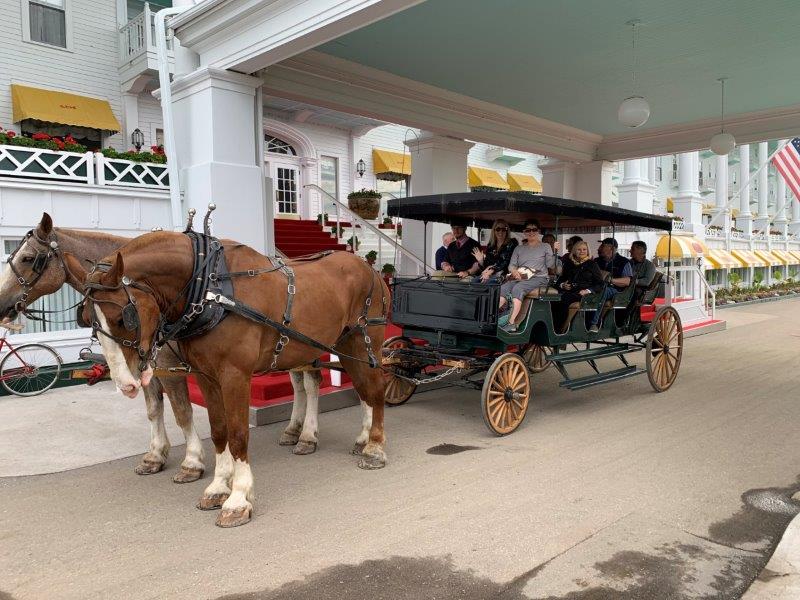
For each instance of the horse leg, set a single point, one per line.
(308, 437)
(153, 461)
(192, 467)
(291, 434)
(237, 509)
(219, 489)
(366, 425)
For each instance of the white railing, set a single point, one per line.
(88, 168)
(138, 35)
(393, 248)
(117, 171)
(39, 163)
(690, 281)
(678, 225)
(714, 232)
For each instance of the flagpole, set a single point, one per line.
(735, 197)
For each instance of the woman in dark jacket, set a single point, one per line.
(494, 263)
(581, 276)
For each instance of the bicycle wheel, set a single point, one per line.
(30, 369)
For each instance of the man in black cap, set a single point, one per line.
(459, 253)
(621, 273)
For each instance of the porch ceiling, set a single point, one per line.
(570, 61)
(301, 112)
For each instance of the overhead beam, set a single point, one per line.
(331, 82)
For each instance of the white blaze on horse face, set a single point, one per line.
(120, 371)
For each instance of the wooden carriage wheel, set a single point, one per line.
(537, 357)
(505, 395)
(397, 391)
(664, 348)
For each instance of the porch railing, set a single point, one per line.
(386, 245)
(138, 35)
(690, 281)
(116, 171)
(678, 225)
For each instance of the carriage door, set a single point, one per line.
(284, 169)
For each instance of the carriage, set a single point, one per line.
(451, 327)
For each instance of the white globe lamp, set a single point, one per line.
(634, 111)
(722, 143)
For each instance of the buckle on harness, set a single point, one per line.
(291, 290)
(219, 299)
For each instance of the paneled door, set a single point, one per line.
(286, 183)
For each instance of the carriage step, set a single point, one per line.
(592, 354)
(583, 382)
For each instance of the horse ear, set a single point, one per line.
(114, 275)
(45, 226)
(74, 267)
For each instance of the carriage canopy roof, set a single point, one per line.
(482, 208)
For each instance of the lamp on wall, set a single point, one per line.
(361, 167)
(723, 142)
(634, 110)
(137, 139)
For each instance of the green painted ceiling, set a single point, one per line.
(570, 60)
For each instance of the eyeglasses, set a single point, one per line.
(530, 230)
(501, 228)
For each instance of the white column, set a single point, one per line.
(688, 203)
(745, 219)
(594, 182)
(762, 218)
(559, 178)
(651, 170)
(130, 109)
(794, 224)
(636, 192)
(721, 190)
(439, 164)
(780, 202)
(217, 131)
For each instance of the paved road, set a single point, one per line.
(611, 492)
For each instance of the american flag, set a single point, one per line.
(787, 161)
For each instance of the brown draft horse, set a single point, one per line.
(151, 271)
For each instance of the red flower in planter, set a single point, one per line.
(58, 143)
(40, 136)
(70, 140)
(11, 134)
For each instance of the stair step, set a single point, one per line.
(590, 380)
(592, 354)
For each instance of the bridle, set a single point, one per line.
(40, 262)
(130, 314)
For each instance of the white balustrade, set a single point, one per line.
(40, 163)
(678, 225)
(117, 171)
(133, 36)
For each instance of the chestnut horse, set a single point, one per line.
(145, 282)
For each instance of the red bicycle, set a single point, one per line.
(27, 370)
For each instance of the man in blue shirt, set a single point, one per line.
(441, 253)
(621, 274)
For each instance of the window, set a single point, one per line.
(9, 245)
(278, 146)
(47, 22)
(658, 173)
(159, 138)
(329, 181)
(674, 168)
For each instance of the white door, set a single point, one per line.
(286, 183)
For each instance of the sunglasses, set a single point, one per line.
(529, 230)
(501, 228)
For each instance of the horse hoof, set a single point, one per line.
(288, 439)
(147, 467)
(371, 462)
(212, 502)
(187, 475)
(358, 449)
(305, 448)
(234, 517)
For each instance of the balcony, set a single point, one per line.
(506, 155)
(137, 49)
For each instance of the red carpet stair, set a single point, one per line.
(296, 238)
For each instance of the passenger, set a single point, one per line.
(498, 254)
(459, 254)
(441, 253)
(581, 276)
(549, 238)
(570, 243)
(621, 274)
(528, 271)
(644, 269)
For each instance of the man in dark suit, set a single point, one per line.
(460, 259)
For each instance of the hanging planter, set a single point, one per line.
(365, 203)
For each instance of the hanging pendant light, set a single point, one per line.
(634, 110)
(723, 142)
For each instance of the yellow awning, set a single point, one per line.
(769, 258)
(683, 246)
(62, 108)
(749, 258)
(386, 161)
(670, 206)
(480, 177)
(722, 259)
(523, 183)
(796, 254)
(785, 257)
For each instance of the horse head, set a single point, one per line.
(124, 315)
(33, 270)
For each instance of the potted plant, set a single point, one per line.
(322, 218)
(365, 203)
(388, 272)
(353, 242)
(371, 257)
(387, 223)
(399, 230)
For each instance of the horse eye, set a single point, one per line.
(120, 322)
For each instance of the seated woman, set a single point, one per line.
(494, 262)
(581, 276)
(528, 271)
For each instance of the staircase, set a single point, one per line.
(297, 238)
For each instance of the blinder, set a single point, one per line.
(79, 316)
(39, 262)
(130, 317)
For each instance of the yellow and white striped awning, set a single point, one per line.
(769, 258)
(722, 259)
(682, 246)
(480, 177)
(786, 257)
(748, 258)
(796, 254)
(523, 183)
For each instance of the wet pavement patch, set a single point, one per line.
(448, 449)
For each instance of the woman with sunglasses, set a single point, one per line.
(529, 270)
(494, 263)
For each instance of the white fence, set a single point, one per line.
(89, 168)
(138, 35)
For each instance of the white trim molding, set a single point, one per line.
(301, 142)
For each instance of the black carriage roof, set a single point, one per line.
(482, 208)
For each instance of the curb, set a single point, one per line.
(780, 577)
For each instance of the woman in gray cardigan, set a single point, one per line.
(528, 271)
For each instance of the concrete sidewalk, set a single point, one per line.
(780, 578)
